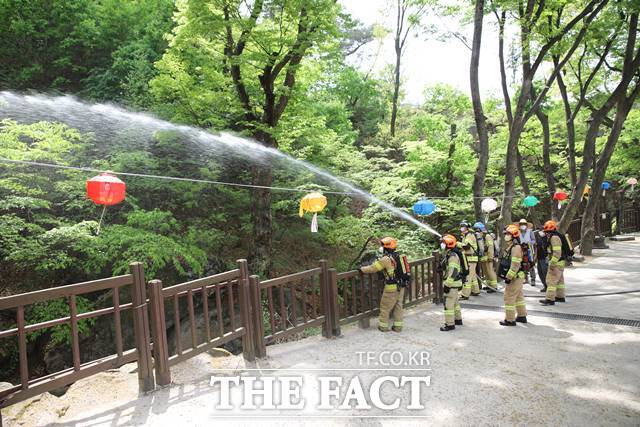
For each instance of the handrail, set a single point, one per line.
(289, 278)
(29, 298)
(199, 283)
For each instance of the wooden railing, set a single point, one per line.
(629, 221)
(232, 305)
(232, 286)
(292, 304)
(133, 282)
(574, 231)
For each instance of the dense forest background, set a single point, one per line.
(279, 72)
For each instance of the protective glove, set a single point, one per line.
(507, 281)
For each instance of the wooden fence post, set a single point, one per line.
(437, 279)
(258, 326)
(159, 334)
(141, 329)
(246, 310)
(333, 302)
(325, 297)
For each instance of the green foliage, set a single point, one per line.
(57, 309)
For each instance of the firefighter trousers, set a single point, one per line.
(452, 309)
(514, 299)
(391, 305)
(471, 285)
(555, 283)
(489, 274)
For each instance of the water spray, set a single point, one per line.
(78, 114)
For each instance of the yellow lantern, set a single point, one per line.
(314, 202)
(585, 193)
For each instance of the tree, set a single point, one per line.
(257, 49)
(533, 32)
(478, 112)
(103, 50)
(408, 15)
(622, 98)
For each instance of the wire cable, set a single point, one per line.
(207, 181)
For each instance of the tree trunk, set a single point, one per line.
(587, 230)
(571, 131)
(478, 113)
(260, 251)
(533, 215)
(452, 150)
(511, 167)
(546, 159)
(396, 89)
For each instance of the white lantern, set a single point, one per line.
(488, 205)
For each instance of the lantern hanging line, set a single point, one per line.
(230, 184)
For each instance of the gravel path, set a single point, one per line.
(548, 372)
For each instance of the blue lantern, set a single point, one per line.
(424, 207)
(605, 186)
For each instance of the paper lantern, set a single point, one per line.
(560, 196)
(424, 207)
(488, 205)
(106, 189)
(530, 201)
(313, 202)
(605, 186)
(632, 182)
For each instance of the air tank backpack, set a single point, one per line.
(505, 262)
(481, 246)
(402, 272)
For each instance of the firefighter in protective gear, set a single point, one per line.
(486, 260)
(393, 295)
(452, 284)
(470, 247)
(513, 295)
(555, 273)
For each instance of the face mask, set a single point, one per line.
(541, 233)
(508, 238)
(443, 246)
(523, 227)
(380, 250)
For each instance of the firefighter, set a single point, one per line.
(555, 273)
(527, 237)
(470, 246)
(452, 283)
(486, 260)
(514, 279)
(393, 295)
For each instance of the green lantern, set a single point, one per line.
(530, 201)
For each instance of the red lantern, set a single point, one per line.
(106, 189)
(560, 196)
